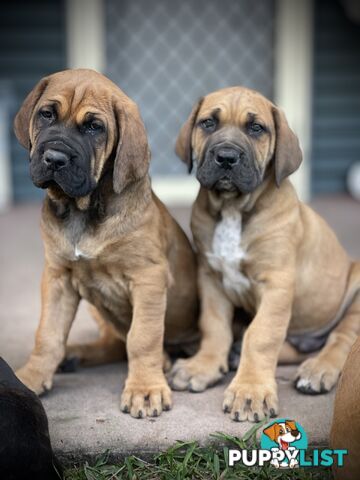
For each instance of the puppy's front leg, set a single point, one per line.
(146, 390)
(252, 394)
(59, 302)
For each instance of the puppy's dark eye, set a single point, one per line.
(46, 113)
(209, 124)
(256, 128)
(93, 126)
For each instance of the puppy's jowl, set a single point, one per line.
(261, 249)
(107, 238)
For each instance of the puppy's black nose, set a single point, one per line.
(55, 159)
(227, 157)
(294, 433)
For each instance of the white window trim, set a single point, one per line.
(293, 77)
(6, 193)
(175, 189)
(85, 31)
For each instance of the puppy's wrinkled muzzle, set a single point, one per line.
(64, 163)
(228, 166)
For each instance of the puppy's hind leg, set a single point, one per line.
(210, 363)
(319, 374)
(108, 348)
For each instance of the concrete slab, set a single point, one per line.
(85, 420)
(83, 407)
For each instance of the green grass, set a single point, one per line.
(189, 461)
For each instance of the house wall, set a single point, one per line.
(336, 108)
(194, 48)
(32, 45)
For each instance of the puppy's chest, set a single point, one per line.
(96, 270)
(227, 253)
(80, 250)
(101, 283)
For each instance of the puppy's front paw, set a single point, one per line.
(143, 399)
(197, 373)
(250, 401)
(38, 381)
(316, 375)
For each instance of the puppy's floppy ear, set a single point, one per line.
(183, 147)
(23, 117)
(288, 155)
(272, 431)
(132, 153)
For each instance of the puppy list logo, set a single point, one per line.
(284, 439)
(283, 443)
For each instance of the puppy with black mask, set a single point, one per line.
(25, 447)
(261, 249)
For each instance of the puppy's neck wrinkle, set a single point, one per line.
(244, 203)
(126, 208)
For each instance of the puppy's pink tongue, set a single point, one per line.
(284, 445)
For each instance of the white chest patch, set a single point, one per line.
(227, 252)
(79, 254)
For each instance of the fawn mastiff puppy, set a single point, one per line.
(262, 249)
(107, 238)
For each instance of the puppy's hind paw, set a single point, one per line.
(196, 374)
(36, 380)
(316, 376)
